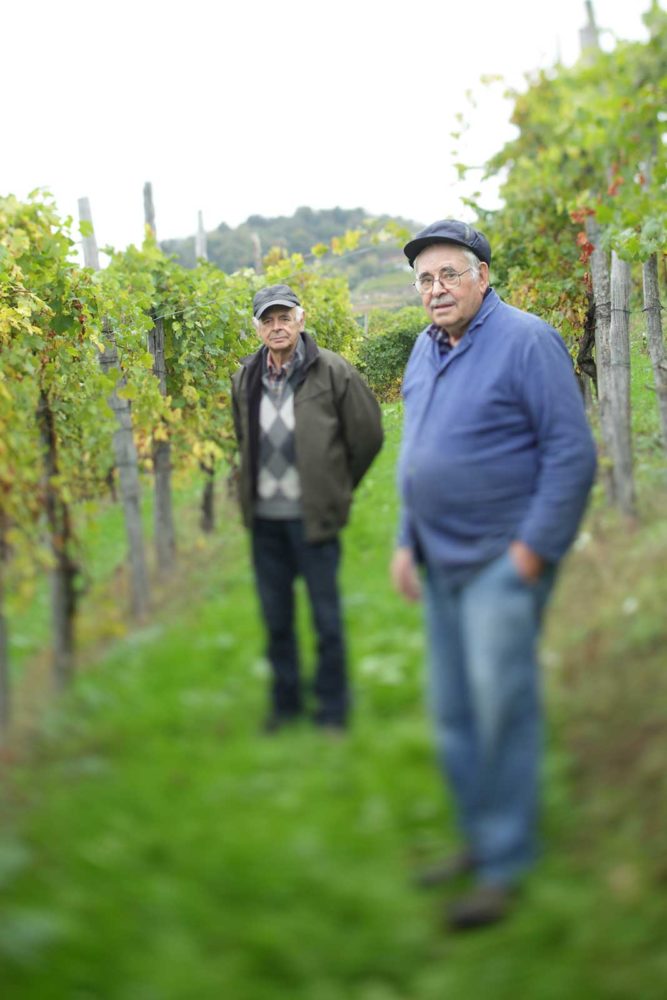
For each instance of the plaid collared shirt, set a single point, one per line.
(440, 337)
(275, 379)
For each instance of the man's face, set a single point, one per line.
(451, 308)
(279, 329)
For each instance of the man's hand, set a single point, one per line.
(528, 564)
(404, 575)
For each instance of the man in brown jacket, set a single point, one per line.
(308, 428)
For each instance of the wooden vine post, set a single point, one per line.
(619, 384)
(124, 448)
(601, 282)
(207, 511)
(654, 328)
(163, 516)
(61, 540)
(655, 338)
(611, 294)
(5, 696)
(201, 249)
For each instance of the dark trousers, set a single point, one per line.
(281, 554)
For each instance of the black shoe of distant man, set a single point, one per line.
(276, 721)
(483, 906)
(330, 726)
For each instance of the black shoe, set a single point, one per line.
(336, 727)
(278, 720)
(486, 904)
(447, 870)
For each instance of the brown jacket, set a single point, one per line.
(338, 433)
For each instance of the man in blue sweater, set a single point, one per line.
(496, 466)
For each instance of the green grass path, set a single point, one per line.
(155, 847)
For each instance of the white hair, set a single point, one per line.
(298, 311)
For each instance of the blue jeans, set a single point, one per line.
(281, 554)
(485, 698)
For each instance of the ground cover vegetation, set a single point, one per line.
(155, 844)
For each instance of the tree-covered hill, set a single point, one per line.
(246, 244)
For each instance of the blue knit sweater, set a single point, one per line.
(496, 446)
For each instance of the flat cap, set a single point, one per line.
(449, 231)
(273, 295)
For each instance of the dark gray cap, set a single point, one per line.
(273, 295)
(449, 231)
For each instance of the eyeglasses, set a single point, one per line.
(447, 276)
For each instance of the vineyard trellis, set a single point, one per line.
(584, 208)
(124, 449)
(83, 402)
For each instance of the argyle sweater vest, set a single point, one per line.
(278, 485)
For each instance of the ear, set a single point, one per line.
(484, 277)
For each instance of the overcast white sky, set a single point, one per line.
(259, 107)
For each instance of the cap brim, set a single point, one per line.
(275, 302)
(415, 247)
